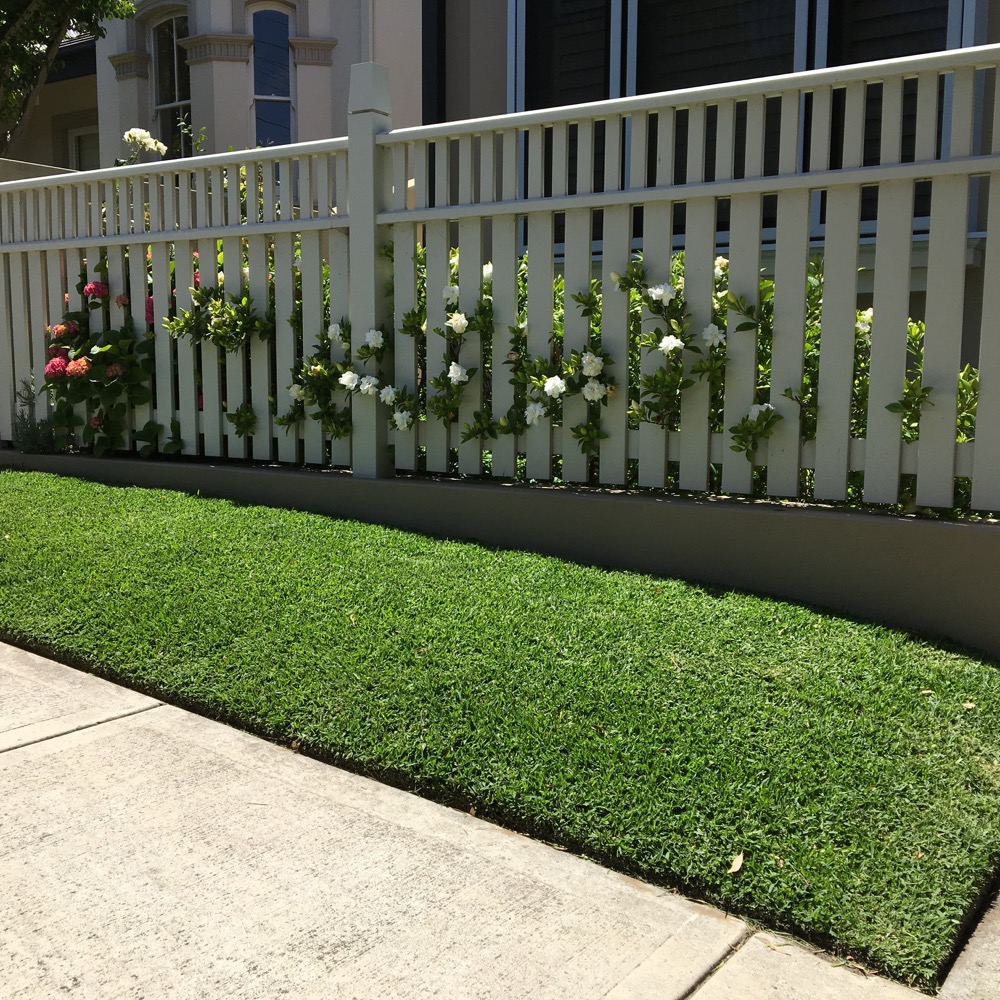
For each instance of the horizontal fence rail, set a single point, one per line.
(778, 287)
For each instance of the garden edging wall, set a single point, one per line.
(937, 578)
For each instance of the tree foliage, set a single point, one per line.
(30, 34)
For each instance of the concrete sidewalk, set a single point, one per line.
(146, 852)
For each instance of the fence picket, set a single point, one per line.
(699, 287)
(470, 281)
(575, 335)
(943, 340)
(986, 468)
(8, 373)
(657, 244)
(741, 346)
(404, 242)
(788, 341)
(284, 338)
(890, 310)
(836, 357)
(438, 278)
(504, 317)
(338, 256)
(615, 340)
(261, 367)
(311, 271)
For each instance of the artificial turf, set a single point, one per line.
(657, 726)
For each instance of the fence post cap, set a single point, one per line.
(369, 89)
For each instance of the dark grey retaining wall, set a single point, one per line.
(940, 579)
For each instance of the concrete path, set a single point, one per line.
(146, 853)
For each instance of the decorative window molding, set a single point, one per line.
(132, 65)
(312, 51)
(217, 48)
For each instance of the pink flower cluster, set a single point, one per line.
(121, 301)
(150, 316)
(96, 290)
(58, 351)
(77, 368)
(64, 329)
(115, 369)
(56, 368)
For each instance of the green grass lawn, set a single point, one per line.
(654, 725)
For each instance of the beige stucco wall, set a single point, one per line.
(68, 104)
(398, 44)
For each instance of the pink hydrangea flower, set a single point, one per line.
(58, 351)
(56, 368)
(121, 301)
(197, 279)
(115, 369)
(96, 290)
(78, 368)
(95, 422)
(150, 316)
(61, 330)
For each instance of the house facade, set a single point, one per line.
(220, 74)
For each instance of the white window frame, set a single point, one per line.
(290, 13)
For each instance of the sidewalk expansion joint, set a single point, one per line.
(693, 989)
(82, 727)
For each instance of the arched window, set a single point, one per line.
(172, 86)
(272, 85)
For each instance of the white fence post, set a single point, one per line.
(368, 194)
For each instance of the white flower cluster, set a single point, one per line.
(863, 326)
(458, 321)
(713, 336)
(457, 374)
(534, 412)
(662, 293)
(296, 392)
(374, 339)
(450, 293)
(721, 266)
(669, 344)
(757, 409)
(143, 141)
(403, 419)
(592, 365)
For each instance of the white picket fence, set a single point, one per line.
(769, 173)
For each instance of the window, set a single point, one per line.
(567, 51)
(172, 87)
(84, 148)
(272, 93)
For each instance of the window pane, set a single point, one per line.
(168, 123)
(270, 54)
(566, 52)
(695, 43)
(163, 40)
(274, 123)
(183, 73)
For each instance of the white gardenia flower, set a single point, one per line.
(296, 392)
(721, 265)
(554, 386)
(350, 380)
(594, 390)
(402, 419)
(388, 395)
(368, 385)
(334, 331)
(450, 293)
(615, 277)
(592, 364)
(669, 343)
(713, 336)
(221, 277)
(457, 374)
(459, 322)
(374, 339)
(661, 293)
(864, 323)
(140, 138)
(488, 271)
(534, 412)
(757, 409)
